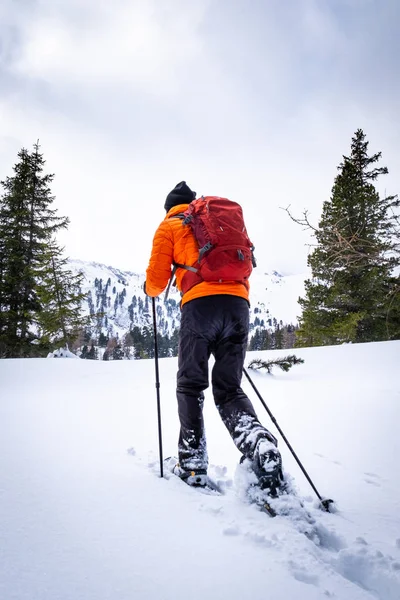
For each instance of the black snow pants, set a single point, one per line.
(217, 325)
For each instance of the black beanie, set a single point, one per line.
(181, 194)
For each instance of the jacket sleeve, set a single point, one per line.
(158, 272)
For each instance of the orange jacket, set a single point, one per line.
(174, 242)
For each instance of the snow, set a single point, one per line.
(273, 296)
(85, 515)
(62, 353)
(278, 294)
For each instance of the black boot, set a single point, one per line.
(267, 466)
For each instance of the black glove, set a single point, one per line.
(144, 288)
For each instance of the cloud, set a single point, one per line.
(130, 97)
(134, 44)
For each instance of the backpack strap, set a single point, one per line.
(169, 284)
(177, 265)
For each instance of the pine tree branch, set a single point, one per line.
(284, 363)
(304, 222)
(350, 249)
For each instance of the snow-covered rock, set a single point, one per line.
(62, 353)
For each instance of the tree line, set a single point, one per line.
(353, 294)
(40, 298)
(137, 343)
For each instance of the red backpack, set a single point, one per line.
(225, 250)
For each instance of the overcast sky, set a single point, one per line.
(254, 100)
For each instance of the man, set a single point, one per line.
(215, 320)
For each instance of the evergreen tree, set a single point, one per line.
(137, 340)
(130, 312)
(118, 353)
(28, 225)
(174, 342)
(3, 286)
(289, 336)
(352, 294)
(278, 338)
(128, 345)
(60, 297)
(255, 341)
(261, 340)
(93, 353)
(103, 340)
(148, 342)
(111, 344)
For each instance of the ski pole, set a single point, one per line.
(325, 502)
(153, 300)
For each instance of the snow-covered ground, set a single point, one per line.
(85, 516)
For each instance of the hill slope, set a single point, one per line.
(84, 514)
(119, 296)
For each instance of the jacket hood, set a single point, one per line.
(175, 210)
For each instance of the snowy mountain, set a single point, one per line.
(85, 515)
(119, 298)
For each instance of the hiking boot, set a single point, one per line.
(267, 466)
(195, 478)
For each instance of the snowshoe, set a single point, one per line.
(265, 473)
(196, 478)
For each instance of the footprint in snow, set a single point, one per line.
(301, 574)
(261, 539)
(369, 569)
(372, 475)
(372, 482)
(231, 530)
(335, 462)
(373, 479)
